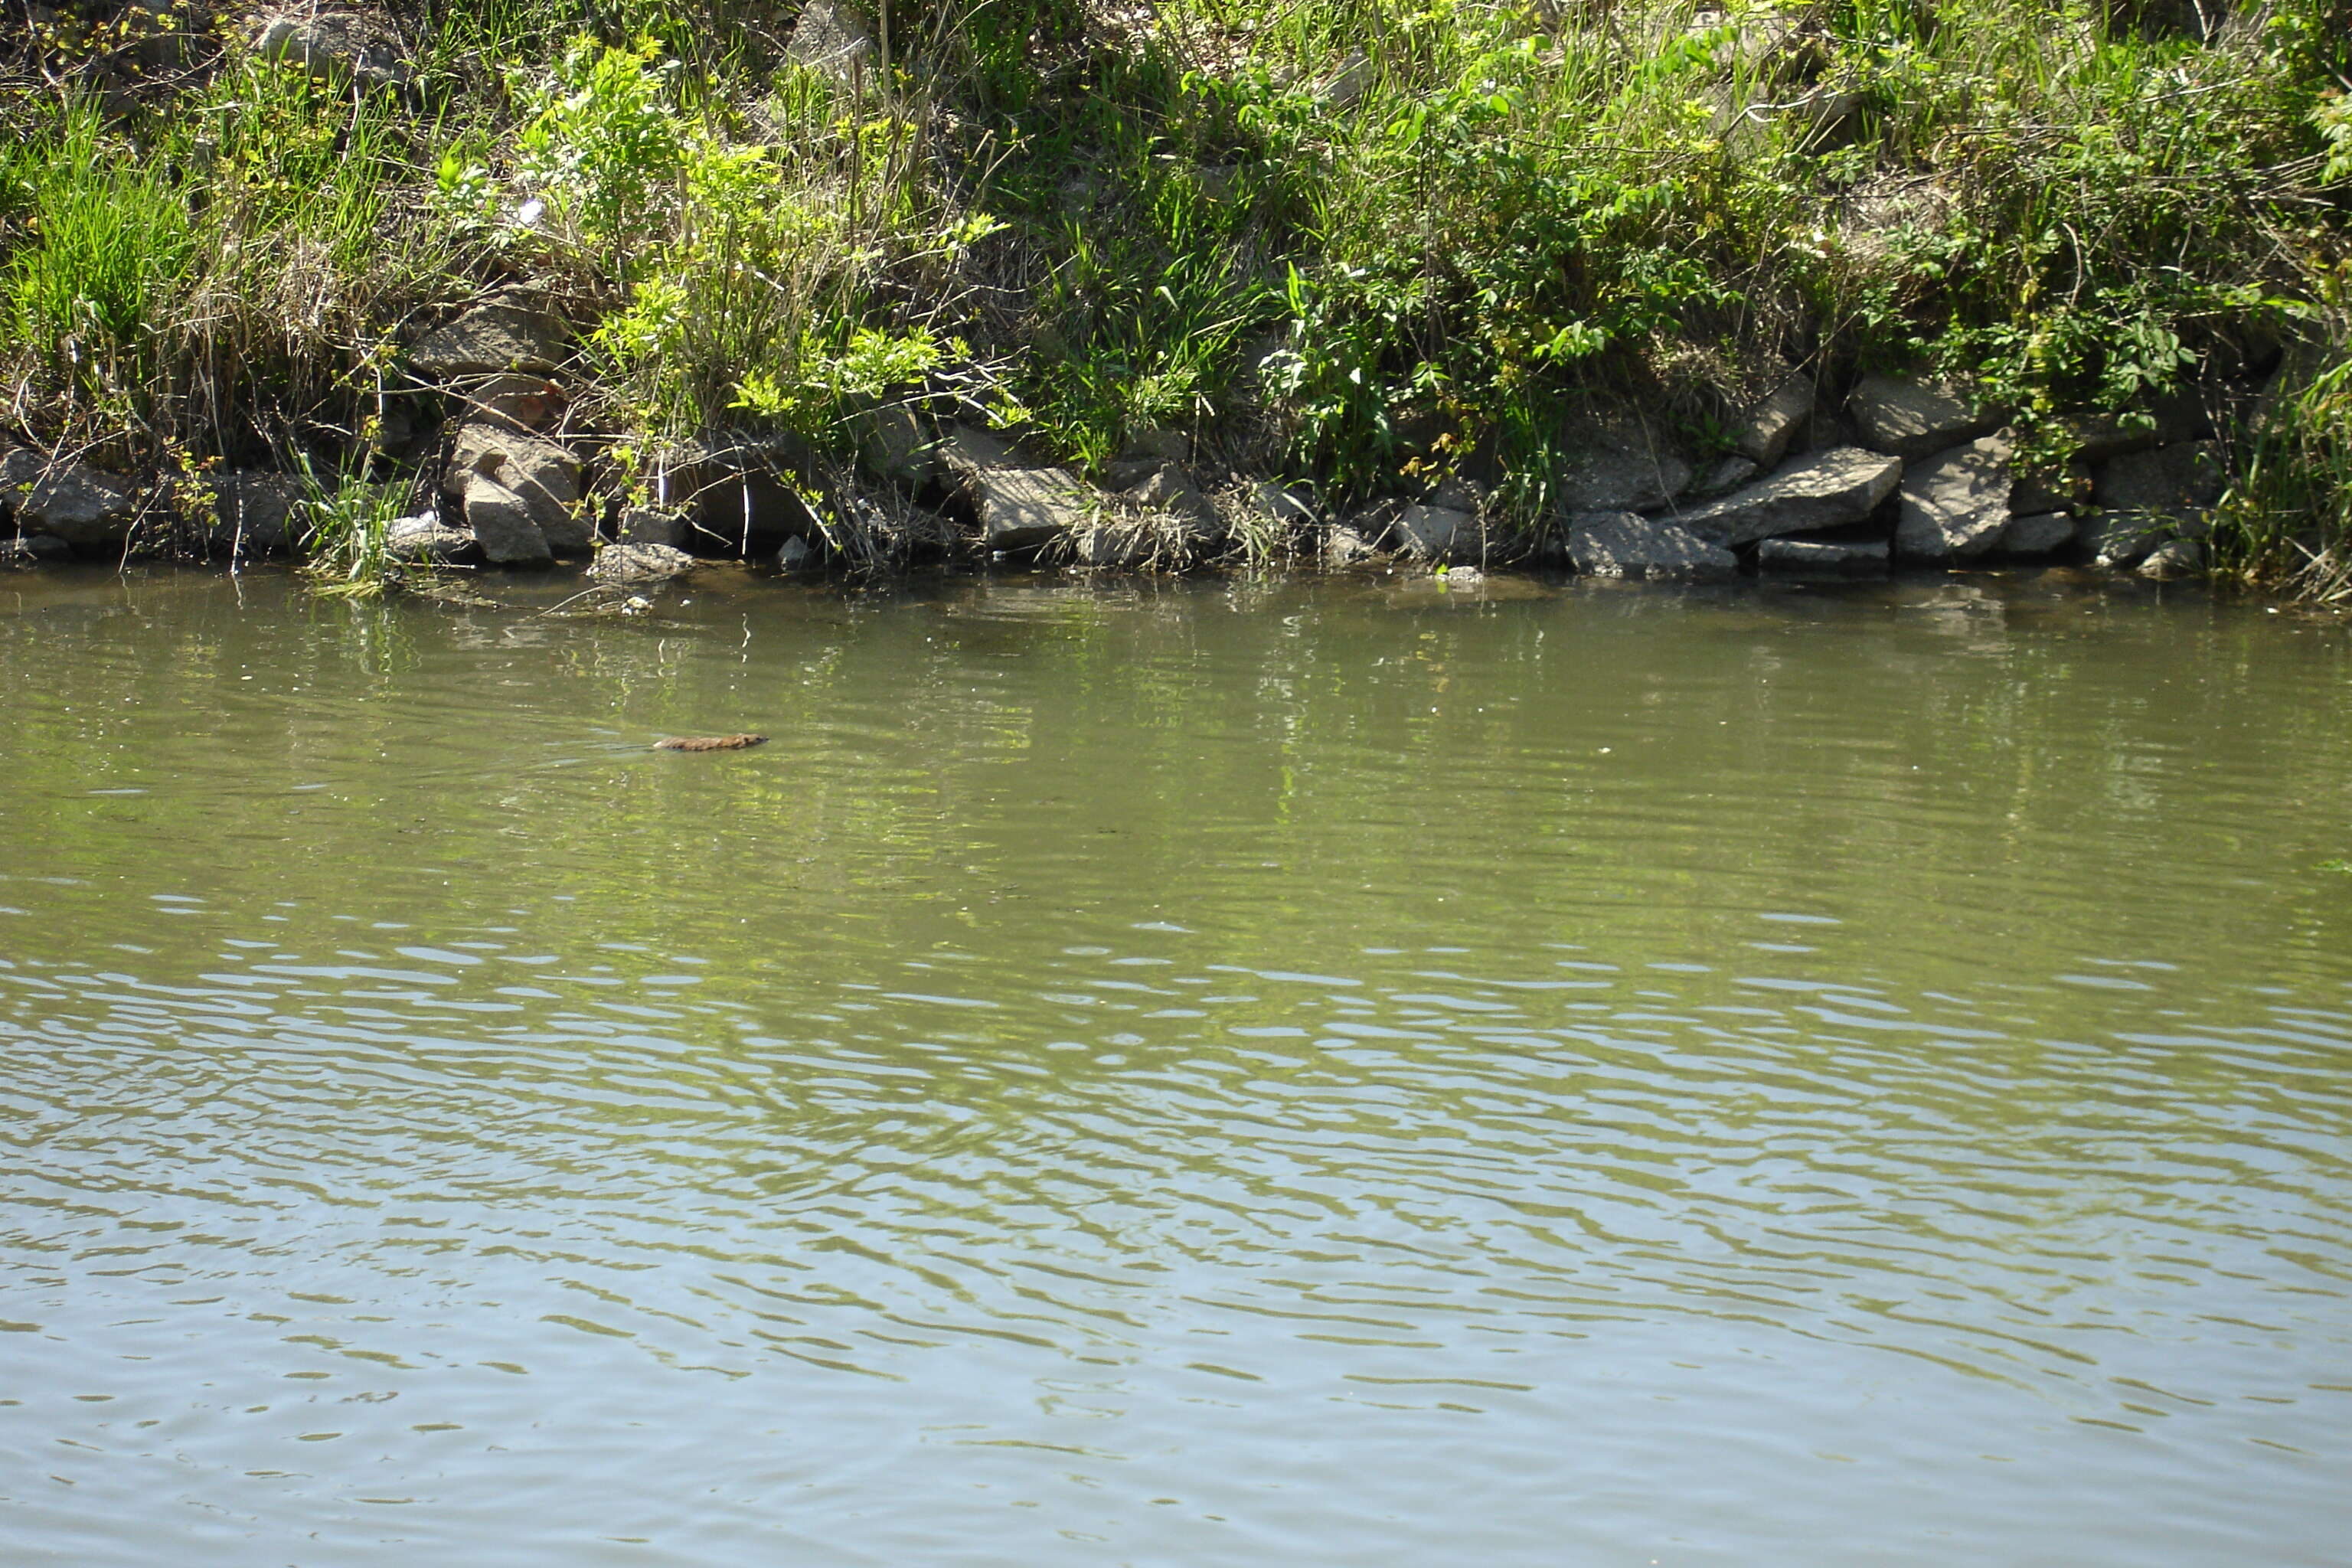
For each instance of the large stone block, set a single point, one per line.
(1911, 419)
(2179, 483)
(1955, 503)
(545, 474)
(1626, 544)
(1765, 433)
(895, 443)
(426, 540)
(490, 340)
(654, 525)
(333, 44)
(1114, 542)
(1436, 533)
(501, 523)
(1826, 490)
(1842, 557)
(1612, 467)
(1020, 509)
(87, 508)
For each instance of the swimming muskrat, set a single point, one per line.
(709, 743)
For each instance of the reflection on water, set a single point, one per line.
(1239, 1074)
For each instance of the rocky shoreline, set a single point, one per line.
(498, 432)
(1885, 472)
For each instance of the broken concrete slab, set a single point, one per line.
(86, 507)
(1765, 433)
(1825, 489)
(491, 340)
(1842, 557)
(1911, 419)
(1626, 544)
(544, 473)
(1436, 533)
(427, 540)
(1020, 509)
(1955, 503)
(501, 522)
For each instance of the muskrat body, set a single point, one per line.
(709, 743)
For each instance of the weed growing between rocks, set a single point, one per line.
(1451, 277)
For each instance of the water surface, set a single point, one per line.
(1221, 1074)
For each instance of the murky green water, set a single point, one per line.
(1300, 1075)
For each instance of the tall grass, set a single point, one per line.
(345, 519)
(93, 287)
(2287, 521)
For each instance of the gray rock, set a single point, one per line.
(1344, 544)
(1825, 489)
(895, 443)
(524, 401)
(424, 539)
(501, 523)
(1912, 418)
(1023, 508)
(333, 44)
(1725, 477)
(2177, 483)
(1613, 470)
(793, 554)
(1436, 533)
(1955, 503)
(1764, 436)
(1847, 557)
(19, 466)
(1198, 523)
(2149, 502)
(490, 340)
(82, 506)
(653, 525)
(966, 449)
(2038, 533)
(1625, 544)
(544, 474)
(832, 38)
(2124, 540)
(254, 512)
(639, 563)
(742, 497)
(2174, 558)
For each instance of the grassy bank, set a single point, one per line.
(1354, 244)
